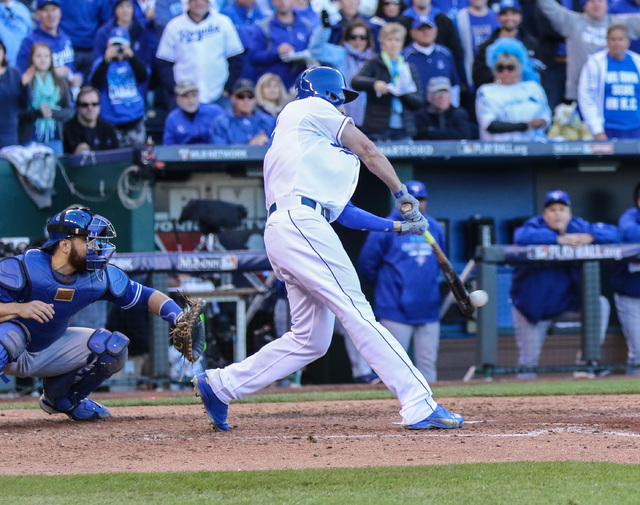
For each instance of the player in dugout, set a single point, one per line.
(42, 289)
(311, 171)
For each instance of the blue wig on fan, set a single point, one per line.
(505, 45)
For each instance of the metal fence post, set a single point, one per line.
(591, 311)
(159, 338)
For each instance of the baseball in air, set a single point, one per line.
(478, 298)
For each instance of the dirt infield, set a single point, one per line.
(322, 435)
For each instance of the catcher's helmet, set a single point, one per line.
(324, 82)
(81, 222)
(416, 189)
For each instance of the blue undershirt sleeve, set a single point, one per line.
(359, 219)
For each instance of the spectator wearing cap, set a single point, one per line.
(86, 131)
(121, 79)
(191, 121)
(510, 18)
(475, 24)
(141, 33)
(585, 33)
(15, 25)
(543, 295)
(393, 89)
(245, 124)
(202, 46)
(280, 42)
(430, 58)
(609, 88)
(514, 107)
(48, 31)
(14, 99)
(81, 20)
(393, 262)
(438, 119)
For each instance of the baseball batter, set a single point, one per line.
(310, 173)
(42, 289)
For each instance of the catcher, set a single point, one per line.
(43, 288)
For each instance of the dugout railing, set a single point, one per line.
(588, 258)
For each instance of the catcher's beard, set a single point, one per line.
(77, 261)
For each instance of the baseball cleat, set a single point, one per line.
(216, 410)
(440, 418)
(86, 410)
(371, 378)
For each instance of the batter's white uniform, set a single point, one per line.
(199, 51)
(306, 158)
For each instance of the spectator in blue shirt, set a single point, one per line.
(278, 41)
(14, 98)
(245, 125)
(15, 25)
(121, 79)
(544, 295)
(48, 31)
(191, 121)
(245, 15)
(430, 58)
(165, 11)
(143, 38)
(81, 20)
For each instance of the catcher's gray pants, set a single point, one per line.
(68, 353)
(530, 336)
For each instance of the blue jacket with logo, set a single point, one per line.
(404, 270)
(61, 48)
(231, 129)
(121, 96)
(543, 293)
(263, 51)
(625, 276)
(182, 129)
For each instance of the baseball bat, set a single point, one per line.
(455, 284)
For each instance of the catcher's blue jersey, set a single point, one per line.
(29, 277)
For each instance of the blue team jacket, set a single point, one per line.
(82, 19)
(180, 129)
(543, 293)
(625, 277)
(231, 129)
(61, 48)
(404, 271)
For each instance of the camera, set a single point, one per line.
(119, 49)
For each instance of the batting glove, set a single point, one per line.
(403, 197)
(415, 228)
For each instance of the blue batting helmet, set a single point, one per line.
(416, 189)
(81, 222)
(324, 82)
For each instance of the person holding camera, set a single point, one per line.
(121, 78)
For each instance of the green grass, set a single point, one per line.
(524, 483)
(608, 386)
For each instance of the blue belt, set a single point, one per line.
(309, 203)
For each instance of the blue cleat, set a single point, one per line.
(216, 410)
(441, 418)
(86, 410)
(371, 378)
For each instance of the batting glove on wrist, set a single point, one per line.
(414, 228)
(403, 197)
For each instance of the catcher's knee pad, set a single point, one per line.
(13, 337)
(110, 349)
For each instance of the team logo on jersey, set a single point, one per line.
(64, 295)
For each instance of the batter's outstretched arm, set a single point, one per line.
(358, 143)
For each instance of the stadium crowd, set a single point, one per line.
(218, 71)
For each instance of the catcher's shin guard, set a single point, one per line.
(65, 392)
(13, 342)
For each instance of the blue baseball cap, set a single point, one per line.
(557, 196)
(119, 35)
(416, 189)
(42, 3)
(424, 20)
(510, 4)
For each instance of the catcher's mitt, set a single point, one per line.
(188, 336)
